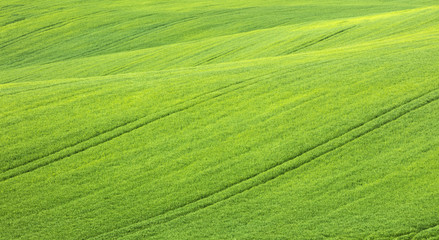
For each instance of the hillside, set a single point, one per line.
(219, 119)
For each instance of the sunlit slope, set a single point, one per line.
(46, 31)
(277, 41)
(272, 126)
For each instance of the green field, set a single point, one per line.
(154, 119)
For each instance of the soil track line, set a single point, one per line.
(37, 88)
(44, 29)
(412, 234)
(316, 41)
(285, 166)
(425, 229)
(127, 127)
(104, 190)
(152, 29)
(39, 30)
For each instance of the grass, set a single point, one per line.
(219, 120)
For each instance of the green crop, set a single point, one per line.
(219, 119)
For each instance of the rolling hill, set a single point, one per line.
(219, 119)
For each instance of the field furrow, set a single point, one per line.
(281, 168)
(219, 119)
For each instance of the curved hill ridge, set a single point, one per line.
(219, 120)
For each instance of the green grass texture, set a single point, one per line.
(166, 119)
